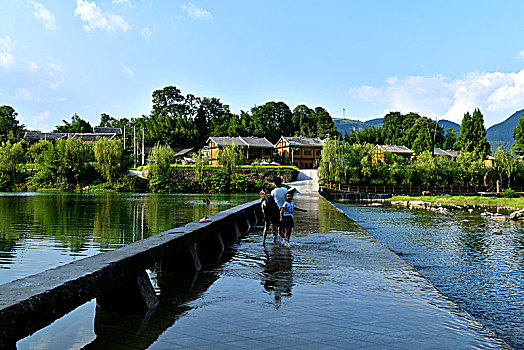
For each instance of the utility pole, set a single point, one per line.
(344, 113)
(124, 137)
(134, 146)
(143, 148)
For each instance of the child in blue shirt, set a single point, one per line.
(286, 216)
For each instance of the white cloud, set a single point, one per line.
(7, 59)
(520, 55)
(43, 15)
(195, 12)
(127, 70)
(500, 93)
(25, 94)
(7, 44)
(32, 65)
(121, 2)
(61, 99)
(41, 117)
(96, 19)
(147, 33)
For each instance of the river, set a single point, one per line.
(40, 231)
(477, 262)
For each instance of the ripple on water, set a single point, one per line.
(461, 254)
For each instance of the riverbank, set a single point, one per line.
(512, 203)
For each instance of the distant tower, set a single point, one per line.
(343, 113)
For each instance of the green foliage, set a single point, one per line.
(61, 164)
(77, 125)
(110, 159)
(199, 166)
(506, 162)
(160, 161)
(230, 158)
(509, 193)
(10, 129)
(518, 135)
(473, 134)
(12, 156)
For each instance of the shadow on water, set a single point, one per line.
(140, 329)
(277, 276)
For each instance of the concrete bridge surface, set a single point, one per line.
(307, 181)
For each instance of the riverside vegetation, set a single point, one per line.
(69, 165)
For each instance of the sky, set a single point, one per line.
(358, 59)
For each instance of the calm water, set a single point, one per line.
(477, 262)
(42, 231)
(327, 291)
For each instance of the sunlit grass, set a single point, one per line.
(468, 200)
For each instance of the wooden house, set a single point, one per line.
(254, 147)
(303, 152)
(378, 152)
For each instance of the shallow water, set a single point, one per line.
(477, 262)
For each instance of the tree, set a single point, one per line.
(160, 162)
(518, 135)
(325, 125)
(12, 156)
(110, 159)
(466, 133)
(230, 157)
(450, 140)
(77, 125)
(10, 128)
(481, 145)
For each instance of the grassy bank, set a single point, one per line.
(467, 200)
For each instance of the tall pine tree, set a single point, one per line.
(481, 145)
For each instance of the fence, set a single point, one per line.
(411, 190)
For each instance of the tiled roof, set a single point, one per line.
(395, 149)
(303, 141)
(243, 141)
(440, 152)
(85, 137)
(107, 130)
(183, 152)
(257, 141)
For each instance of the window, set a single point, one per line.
(307, 152)
(296, 151)
(319, 152)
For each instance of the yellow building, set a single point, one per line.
(378, 152)
(254, 147)
(303, 152)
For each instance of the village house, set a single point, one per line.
(304, 152)
(254, 147)
(378, 152)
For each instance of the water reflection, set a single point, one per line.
(42, 231)
(277, 276)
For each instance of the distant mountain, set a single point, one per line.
(501, 134)
(446, 124)
(346, 125)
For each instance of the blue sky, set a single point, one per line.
(439, 59)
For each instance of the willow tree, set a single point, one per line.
(231, 157)
(109, 156)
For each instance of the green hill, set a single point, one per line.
(501, 134)
(346, 125)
